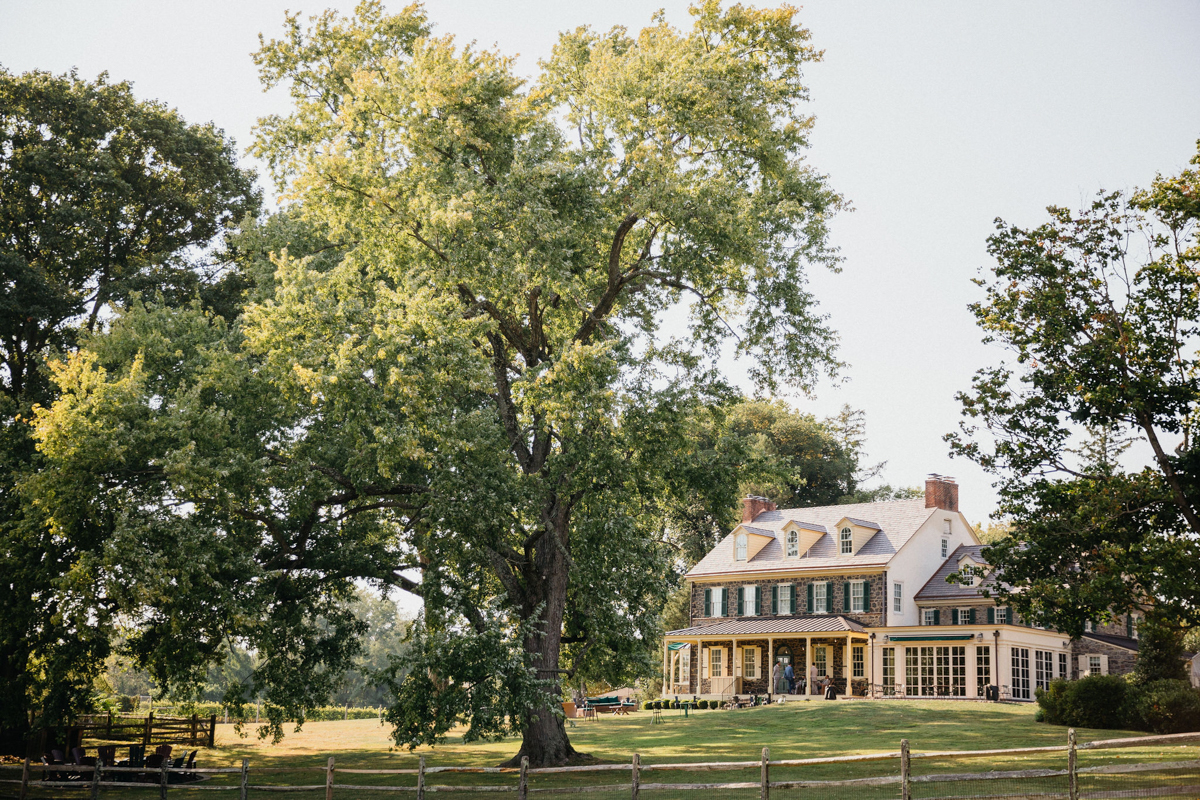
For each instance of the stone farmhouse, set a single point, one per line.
(861, 593)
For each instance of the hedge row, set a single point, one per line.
(209, 709)
(656, 705)
(1109, 701)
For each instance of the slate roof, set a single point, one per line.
(862, 523)
(938, 588)
(1117, 641)
(751, 626)
(898, 520)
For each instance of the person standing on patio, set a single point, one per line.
(790, 676)
(776, 674)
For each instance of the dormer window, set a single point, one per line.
(793, 544)
(847, 540)
(740, 546)
(968, 575)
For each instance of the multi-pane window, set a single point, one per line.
(1087, 626)
(821, 659)
(951, 671)
(821, 598)
(749, 601)
(1094, 665)
(714, 663)
(897, 597)
(968, 575)
(785, 599)
(983, 670)
(740, 546)
(889, 670)
(685, 666)
(927, 617)
(964, 616)
(1062, 665)
(945, 547)
(857, 662)
(1001, 615)
(912, 671)
(1020, 673)
(750, 662)
(1043, 669)
(856, 596)
(793, 543)
(847, 539)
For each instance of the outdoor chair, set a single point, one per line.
(108, 754)
(53, 774)
(137, 755)
(163, 750)
(80, 757)
(190, 766)
(153, 762)
(177, 777)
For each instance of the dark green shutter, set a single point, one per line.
(937, 616)
(792, 600)
(866, 597)
(971, 616)
(811, 610)
(991, 615)
(708, 602)
(775, 599)
(845, 597)
(1008, 616)
(741, 595)
(953, 616)
(1129, 625)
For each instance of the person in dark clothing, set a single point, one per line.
(790, 675)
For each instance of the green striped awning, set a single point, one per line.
(678, 645)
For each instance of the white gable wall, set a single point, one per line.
(919, 559)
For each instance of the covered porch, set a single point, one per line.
(738, 657)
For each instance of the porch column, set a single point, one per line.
(666, 663)
(770, 666)
(972, 672)
(808, 664)
(846, 662)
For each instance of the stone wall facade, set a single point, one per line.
(1120, 660)
(874, 616)
(701, 683)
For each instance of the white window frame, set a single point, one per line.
(1001, 615)
(968, 573)
(741, 546)
(821, 597)
(714, 663)
(964, 616)
(857, 592)
(946, 526)
(750, 663)
(749, 601)
(846, 542)
(858, 665)
(718, 601)
(784, 592)
(897, 597)
(821, 659)
(945, 547)
(927, 616)
(793, 544)
(1095, 665)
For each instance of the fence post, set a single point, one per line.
(329, 779)
(421, 778)
(523, 784)
(905, 789)
(195, 732)
(637, 778)
(149, 727)
(108, 732)
(162, 780)
(766, 779)
(96, 778)
(24, 779)
(212, 729)
(1072, 772)
(245, 786)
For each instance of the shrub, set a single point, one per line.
(658, 705)
(648, 705)
(1039, 715)
(1165, 706)
(1097, 701)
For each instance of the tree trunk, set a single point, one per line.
(544, 736)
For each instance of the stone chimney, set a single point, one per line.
(941, 492)
(752, 506)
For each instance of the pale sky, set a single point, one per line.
(933, 118)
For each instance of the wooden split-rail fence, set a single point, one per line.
(193, 731)
(93, 779)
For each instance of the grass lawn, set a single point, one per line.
(795, 730)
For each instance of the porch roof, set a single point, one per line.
(766, 626)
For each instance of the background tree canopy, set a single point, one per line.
(458, 384)
(101, 196)
(1101, 309)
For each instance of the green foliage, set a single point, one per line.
(103, 196)
(1097, 701)
(544, 232)
(1161, 655)
(1100, 309)
(1166, 706)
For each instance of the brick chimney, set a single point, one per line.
(752, 506)
(941, 492)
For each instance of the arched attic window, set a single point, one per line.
(740, 547)
(793, 544)
(847, 540)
